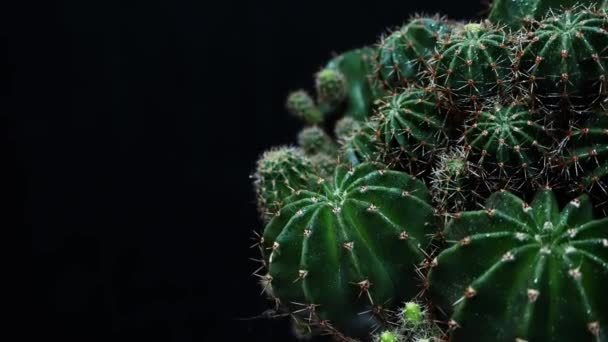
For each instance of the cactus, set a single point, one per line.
(331, 86)
(402, 55)
(491, 114)
(519, 272)
(473, 65)
(279, 173)
(565, 60)
(411, 121)
(347, 249)
(516, 13)
(506, 140)
(301, 105)
(356, 67)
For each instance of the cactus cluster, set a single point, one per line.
(451, 184)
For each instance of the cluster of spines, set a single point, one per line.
(411, 323)
(452, 181)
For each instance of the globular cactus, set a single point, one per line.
(331, 86)
(313, 140)
(301, 105)
(524, 272)
(363, 145)
(402, 55)
(508, 141)
(564, 61)
(453, 181)
(411, 122)
(514, 14)
(346, 127)
(473, 64)
(344, 254)
(280, 172)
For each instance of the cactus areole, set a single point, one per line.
(450, 183)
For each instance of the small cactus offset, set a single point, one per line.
(422, 202)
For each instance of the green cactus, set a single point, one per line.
(313, 140)
(506, 140)
(301, 105)
(516, 13)
(402, 55)
(279, 173)
(412, 122)
(519, 272)
(346, 127)
(452, 182)
(363, 145)
(473, 65)
(565, 59)
(331, 86)
(335, 254)
(356, 67)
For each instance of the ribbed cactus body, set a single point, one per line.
(402, 55)
(565, 58)
(473, 64)
(507, 139)
(356, 67)
(279, 173)
(411, 121)
(524, 272)
(514, 13)
(362, 145)
(347, 252)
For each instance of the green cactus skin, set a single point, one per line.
(363, 145)
(301, 105)
(388, 336)
(508, 139)
(565, 59)
(472, 65)
(330, 85)
(519, 272)
(585, 156)
(402, 55)
(411, 121)
(356, 66)
(514, 13)
(351, 247)
(279, 173)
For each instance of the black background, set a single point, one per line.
(137, 125)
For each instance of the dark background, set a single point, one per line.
(137, 125)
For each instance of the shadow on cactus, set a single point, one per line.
(418, 203)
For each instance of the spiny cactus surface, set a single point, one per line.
(524, 272)
(345, 251)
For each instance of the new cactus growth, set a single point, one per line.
(301, 105)
(339, 254)
(472, 65)
(402, 55)
(483, 113)
(565, 59)
(524, 272)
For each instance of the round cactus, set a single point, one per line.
(524, 272)
(313, 139)
(507, 139)
(279, 173)
(362, 145)
(330, 85)
(411, 121)
(516, 13)
(300, 104)
(565, 59)
(388, 336)
(402, 55)
(342, 255)
(346, 127)
(473, 64)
